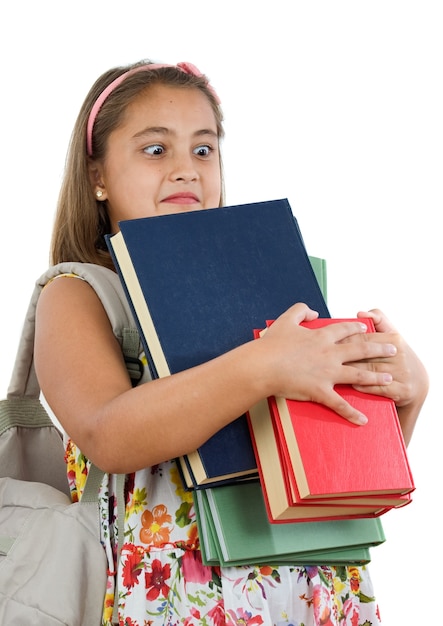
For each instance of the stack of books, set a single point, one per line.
(198, 284)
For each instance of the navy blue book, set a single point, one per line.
(199, 283)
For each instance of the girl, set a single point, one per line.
(146, 143)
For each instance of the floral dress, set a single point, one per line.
(160, 580)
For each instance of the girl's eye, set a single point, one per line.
(202, 151)
(154, 150)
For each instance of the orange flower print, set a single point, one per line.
(108, 607)
(322, 606)
(155, 526)
(156, 580)
(193, 540)
(354, 579)
(266, 570)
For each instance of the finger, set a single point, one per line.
(300, 312)
(385, 391)
(355, 351)
(365, 377)
(297, 314)
(337, 403)
(381, 322)
(341, 331)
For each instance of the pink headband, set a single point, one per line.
(187, 68)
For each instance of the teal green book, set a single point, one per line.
(212, 553)
(206, 531)
(319, 267)
(234, 530)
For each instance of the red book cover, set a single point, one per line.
(354, 459)
(274, 484)
(389, 500)
(323, 460)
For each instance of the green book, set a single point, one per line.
(234, 530)
(212, 553)
(319, 267)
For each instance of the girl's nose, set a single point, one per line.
(183, 169)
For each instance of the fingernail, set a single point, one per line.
(392, 349)
(387, 378)
(362, 419)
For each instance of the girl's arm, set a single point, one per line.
(83, 377)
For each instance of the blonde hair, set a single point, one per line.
(81, 222)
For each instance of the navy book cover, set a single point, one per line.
(209, 278)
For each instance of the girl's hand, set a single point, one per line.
(306, 364)
(410, 381)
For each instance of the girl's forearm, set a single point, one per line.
(172, 416)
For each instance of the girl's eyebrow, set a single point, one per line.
(206, 131)
(152, 130)
(162, 130)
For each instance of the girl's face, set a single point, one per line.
(163, 158)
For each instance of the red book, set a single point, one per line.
(319, 459)
(293, 495)
(274, 480)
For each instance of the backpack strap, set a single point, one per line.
(106, 283)
(108, 287)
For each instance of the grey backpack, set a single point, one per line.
(53, 568)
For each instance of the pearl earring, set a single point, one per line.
(99, 193)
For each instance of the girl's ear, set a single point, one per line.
(96, 180)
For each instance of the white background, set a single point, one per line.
(336, 105)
